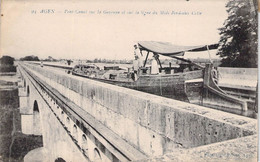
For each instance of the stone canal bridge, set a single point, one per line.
(85, 120)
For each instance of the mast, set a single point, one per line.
(158, 60)
(145, 57)
(209, 54)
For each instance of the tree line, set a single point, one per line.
(238, 42)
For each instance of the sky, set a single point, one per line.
(68, 30)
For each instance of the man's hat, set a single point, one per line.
(135, 45)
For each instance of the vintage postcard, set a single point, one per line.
(148, 80)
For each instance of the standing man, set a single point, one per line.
(139, 55)
(135, 68)
(154, 67)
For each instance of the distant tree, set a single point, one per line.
(50, 59)
(30, 58)
(7, 60)
(238, 42)
(69, 62)
(96, 60)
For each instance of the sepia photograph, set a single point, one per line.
(127, 80)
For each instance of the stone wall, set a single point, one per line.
(56, 141)
(153, 124)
